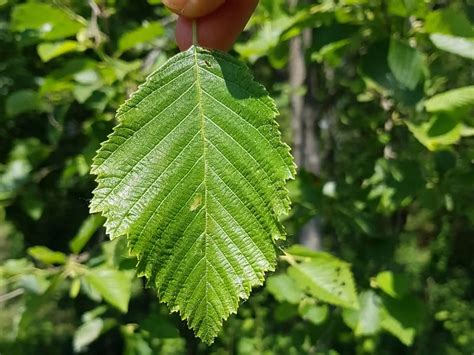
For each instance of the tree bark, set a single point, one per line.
(304, 122)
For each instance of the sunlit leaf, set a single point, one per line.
(284, 289)
(394, 285)
(324, 277)
(50, 22)
(87, 333)
(113, 285)
(195, 175)
(451, 100)
(48, 51)
(46, 255)
(147, 33)
(365, 320)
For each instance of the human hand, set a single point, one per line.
(219, 22)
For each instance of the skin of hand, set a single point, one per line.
(219, 22)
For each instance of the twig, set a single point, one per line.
(10, 295)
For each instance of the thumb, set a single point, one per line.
(193, 8)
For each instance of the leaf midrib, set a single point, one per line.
(204, 155)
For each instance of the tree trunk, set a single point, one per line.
(304, 123)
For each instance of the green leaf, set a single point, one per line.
(439, 132)
(312, 312)
(113, 285)
(48, 51)
(326, 278)
(22, 101)
(135, 344)
(85, 233)
(366, 320)
(144, 34)
(284, 289)
(195, 175)
(449, 21)
(50, 22)
(86, 334)
(378, 73)
(406, 63)
(285, 311)
(402, 317)
(451, 100)
(461, 46)
(46, 255)
(394, 285)
(159, 327)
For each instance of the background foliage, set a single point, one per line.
(386, 178)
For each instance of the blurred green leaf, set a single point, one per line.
(46, 255)
(366, 320)
(406, 63)
(159, 327)
(449, 21)
(86, 334)
(402, 317)
(32, 203)
(312, 312)
(113, 285)
(86, 231)
(34, 282)
(135, 343)
(284, 288)
(377, 72)
(393, 284)
(12, 178)
(457, 45)
(50, 22)
(439, 132)
(147, 33)
(48, 51)
(326, 278)
(23, 101)
(451, 100)
(285, 311)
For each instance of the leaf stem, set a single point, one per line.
(195, 34)
(290, 259)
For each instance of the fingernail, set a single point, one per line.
(176, 5)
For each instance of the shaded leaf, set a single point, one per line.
(402, 317)
(406, 63)
(23, 101)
